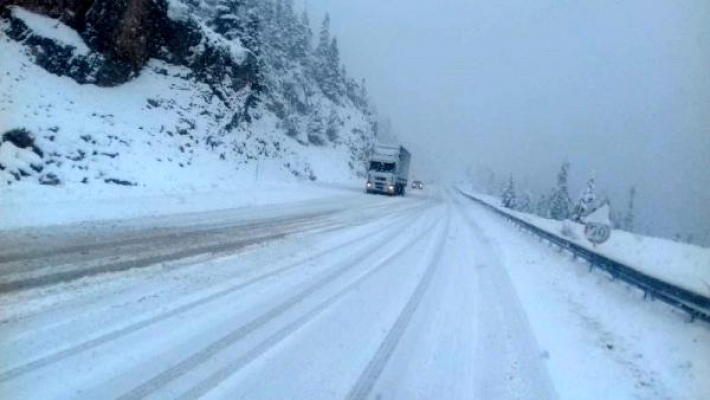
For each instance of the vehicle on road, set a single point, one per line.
(417, 185)
(388, 170)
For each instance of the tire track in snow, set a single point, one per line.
(186, 365)
(37, 268)
(108, 238)
(510, 345)
(116, 334)
(213, 380)
(74, 274)
(363, 386)
(167, 235)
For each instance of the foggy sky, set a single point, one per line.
(619, 89)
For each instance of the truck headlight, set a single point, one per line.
(391, 187)
(369, 184)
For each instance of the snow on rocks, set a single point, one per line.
(178, 11)
(16, 161)
(51, 28)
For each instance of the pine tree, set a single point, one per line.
(524, 202)
(327, 63)
(324, 39)
(333, 127)
(560, 201)
(290, 29)
(542, 208)
(316, 129)
(629, 217)
(252, 36)
(585, 203)
(252, 40)
(508, 197)
(304, 38)
(335, 74)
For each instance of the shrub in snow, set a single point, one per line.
(18, 162)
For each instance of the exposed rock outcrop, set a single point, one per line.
(123, 35)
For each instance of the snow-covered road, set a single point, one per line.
(353, 296)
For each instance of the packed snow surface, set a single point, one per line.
(342, 295)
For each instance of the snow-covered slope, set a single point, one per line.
(166, 128)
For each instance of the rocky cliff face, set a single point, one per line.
(188, 80)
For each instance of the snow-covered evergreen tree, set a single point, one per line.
(628, 222)
(323, 38)
(316, 129)
(226, 21)
(559, 200)
(326, 65)
(524, 202)
(585, 204)
(508, 197)
(542, 207)
(333, 127)
(303, 38)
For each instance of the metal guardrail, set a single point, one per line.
(696, 305)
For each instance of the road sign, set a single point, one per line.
(596, 232)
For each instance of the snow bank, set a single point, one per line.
(681, 264)
(44, 206)
(51, 29)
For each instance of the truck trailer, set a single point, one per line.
(388, 170)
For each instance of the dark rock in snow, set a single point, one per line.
(49, 179)
(19, 137)
(120, 182)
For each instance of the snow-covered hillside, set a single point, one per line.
(192, 122)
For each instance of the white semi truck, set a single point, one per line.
(388, 170)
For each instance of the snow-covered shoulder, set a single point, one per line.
(680, 264)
